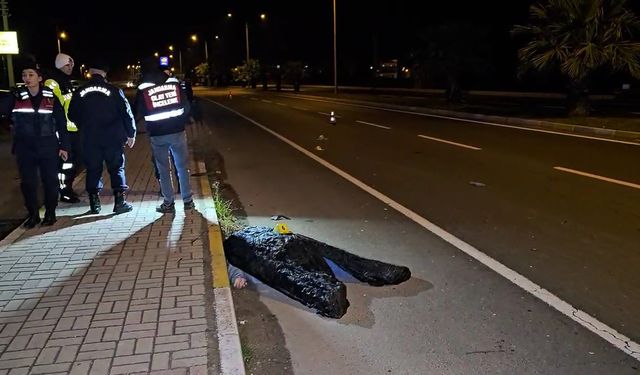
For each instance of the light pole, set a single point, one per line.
(5, 23)
(335, 52)
(62, 35)
(263, 17)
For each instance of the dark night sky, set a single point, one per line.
(125, 31)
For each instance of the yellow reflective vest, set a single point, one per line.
(65, 100)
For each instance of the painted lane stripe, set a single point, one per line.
(256, 99)
(372, 124)
(467, 120)
(300, 108)
(601, 178)
(451, 143)
(609, 334)
(282, 104)
(267, 101)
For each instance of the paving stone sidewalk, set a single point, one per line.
(106, 294)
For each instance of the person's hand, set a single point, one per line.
(63, 155)
(131, 142)
(240, 282)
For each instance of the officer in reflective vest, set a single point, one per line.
(40, 139)
(104, 118)
(165, 109)
(59, 81)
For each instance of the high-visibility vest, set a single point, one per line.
(65, 100)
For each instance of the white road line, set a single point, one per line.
(328, 114)
(449, 142)
(609, 334)
(372, 124)
(300, 108)
(635, 113)
(256, 99)
(267, 101)
(602, 178)
(472, 121)
(282, 104)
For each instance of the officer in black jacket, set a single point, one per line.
(103, 116)
(40, 139)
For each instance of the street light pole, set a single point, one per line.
(5, 24)
(335, 52)
(246, 29)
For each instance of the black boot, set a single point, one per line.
(94, 203)
(31, 221)
(49, 218)
(121, 206)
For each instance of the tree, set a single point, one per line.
(202, 72)
(580, 37)
(294, 72)
(247, 72)
(451, 51)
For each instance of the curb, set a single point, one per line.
(623, 135)
(231, 360)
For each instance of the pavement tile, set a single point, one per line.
(116, 295)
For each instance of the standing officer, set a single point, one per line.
(165, 109)
(106, 124)
(37, 116)
(60, 83)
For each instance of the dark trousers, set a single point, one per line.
(69, 169)
(95, 156)
(32, 158)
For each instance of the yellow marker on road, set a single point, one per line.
(282, 228)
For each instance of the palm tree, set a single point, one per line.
(578, 37)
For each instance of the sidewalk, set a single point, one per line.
(106, 294)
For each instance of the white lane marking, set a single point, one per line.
(609, 334)
(451, 143)
(372, 124)
(328, 114)
(635, 113)
(300, 108)
(267, 101)
(472, 121)
(602, 178)
(256, 99)
(282, 104)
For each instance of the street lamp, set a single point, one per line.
(62, 35)
(263, 17)
(335, 52)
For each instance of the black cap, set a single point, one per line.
(100, 64)
(30, 64)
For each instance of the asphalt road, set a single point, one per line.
(564, 212)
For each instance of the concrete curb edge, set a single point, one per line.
(231, 360)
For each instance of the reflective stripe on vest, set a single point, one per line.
(164, 115)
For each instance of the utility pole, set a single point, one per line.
(335, 52)
(246, 32)
(5, 24)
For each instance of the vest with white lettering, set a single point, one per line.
(164, 107)
(32, 122)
